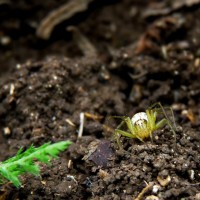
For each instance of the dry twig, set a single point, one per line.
(144, 190)
(87, 48)
(62, 13)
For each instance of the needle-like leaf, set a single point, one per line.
(23, 162)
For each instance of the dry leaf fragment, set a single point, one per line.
(102, 174)
(157, 32)
(190, 115)
(100, 153)
(93, 116)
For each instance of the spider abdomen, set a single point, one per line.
(138, 118)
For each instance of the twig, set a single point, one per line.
(60, 14)
(144, 190)
(83, 42)
(80, 132)
(70, 122)
(93, 116)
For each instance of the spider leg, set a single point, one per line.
(161, 123)
(164, 112)
(139, 138)
(158, 125)
(118, 132)
(164, 122)
(172, 113)
(128, 122)
(129, 125)
(117, 138)
(168, 120)
(151, 115)
(124, 133)
(120, 117)
(151, 118)
(151, 137)
(131, 128)
(153, 106)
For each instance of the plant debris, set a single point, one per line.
(62, 13)
(157, 32)
(166, 7)
(87, 48)
(101, 154)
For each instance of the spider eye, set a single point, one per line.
(139, 118)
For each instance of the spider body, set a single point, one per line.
(143, 124)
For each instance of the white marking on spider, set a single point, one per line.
(139, 118)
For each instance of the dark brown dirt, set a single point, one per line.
(126, 56)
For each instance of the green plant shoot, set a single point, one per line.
(24, 162)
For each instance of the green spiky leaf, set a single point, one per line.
(23, 162)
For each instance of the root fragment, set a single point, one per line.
(80, 132)
(144, 190)
(87, 48)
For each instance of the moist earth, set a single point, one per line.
(104, 59)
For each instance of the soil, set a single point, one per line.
(112, 58)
